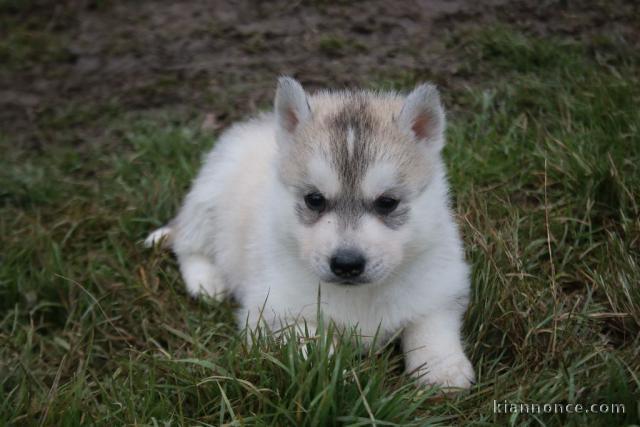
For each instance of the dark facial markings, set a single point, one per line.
(393, 220)
(307, 213)
(397, 218)
(351, 160)
(352, 149)
(351, 152)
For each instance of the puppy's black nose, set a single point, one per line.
(347, 263)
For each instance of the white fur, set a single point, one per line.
(323, 177)
(159, 237)
(377, 179)
(350, 141)
(237, 233)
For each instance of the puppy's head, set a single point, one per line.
(355, 164)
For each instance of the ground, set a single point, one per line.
(106, 108)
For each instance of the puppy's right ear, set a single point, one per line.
(291, 105)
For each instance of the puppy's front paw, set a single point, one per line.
(160, 237)
(452, 371)
(202, 277)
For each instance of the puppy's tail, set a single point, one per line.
(162, 237)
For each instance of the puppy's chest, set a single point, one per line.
(370, 313)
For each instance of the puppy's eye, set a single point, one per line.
(385, 205)
(315, 201)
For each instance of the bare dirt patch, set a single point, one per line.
(80, 60)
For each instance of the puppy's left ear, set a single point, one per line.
(291, 105)
(423, 116)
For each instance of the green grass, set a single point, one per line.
(543, 159)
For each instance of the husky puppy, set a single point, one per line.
(338, 196)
